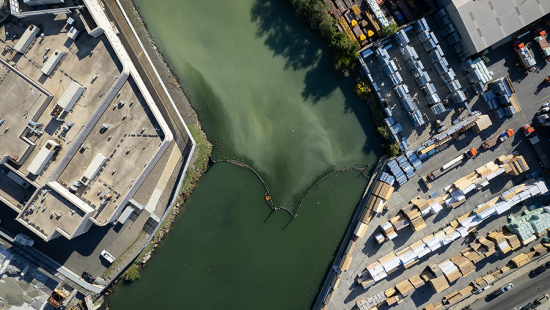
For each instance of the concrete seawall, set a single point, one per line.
(360, 206)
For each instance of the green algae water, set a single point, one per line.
(263, 85)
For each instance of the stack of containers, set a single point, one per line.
(400, 176)
(404, 164)
(413, 159)
(387, 178)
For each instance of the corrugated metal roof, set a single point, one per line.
(484, 23)
(70, 96)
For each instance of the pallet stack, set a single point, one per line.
(513, 241)
(404, 288)
(416, 281)
(399, 222)
(452, 298)
(450, 271)
(415, 217)
(516, 166)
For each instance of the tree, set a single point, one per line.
(392, 149)
(132, 274)
(389, 29)
(345, 53)
(361, 90)
(383, 132)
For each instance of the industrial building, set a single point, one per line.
(483, 24)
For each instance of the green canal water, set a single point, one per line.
(264, 88)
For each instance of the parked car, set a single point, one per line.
(493, 295)
(506, 288)
(88, 277)
(541, 299)
(528, 306)
(110, 258)
(540, 269)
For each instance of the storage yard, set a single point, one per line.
(464, 205)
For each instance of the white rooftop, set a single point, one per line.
(483, 23)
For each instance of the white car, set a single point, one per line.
(110, 258)
(507, 287)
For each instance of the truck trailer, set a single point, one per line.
(541, 39)
(525, 56)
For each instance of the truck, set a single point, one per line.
(494, 140)
(535, 142)
(446, 168)
(525, 56)
(541, 39)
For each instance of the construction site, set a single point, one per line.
(464, 207)
(89, 154)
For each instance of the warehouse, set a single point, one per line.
(482, 24)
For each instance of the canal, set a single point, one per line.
(263, 85)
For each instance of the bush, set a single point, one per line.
(389, 30)
(361, 90)
(383, 132)
(132, 274)
(392, 149)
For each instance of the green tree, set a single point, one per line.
(345, 53)
(392, 149)
(383, 132)
(389, 29)
(131, 274)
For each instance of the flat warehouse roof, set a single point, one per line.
(484, 23)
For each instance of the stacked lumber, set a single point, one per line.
(426, 276)
(505, 269)
(404, 288)
(439, 284)
(529, 240)
(517, 165)
(360, 229)
(450, 270)
(366, 216)
(390, 292)
(335, 282)
(486, 243)
(504, 159)
(329, 296)
(429, 307)
(345, 263)
(379, 238)
(464, 265)
(375, 204)
(368, 283)
(500, 241)
(480, 282)
(540, 249)
(383, 190)
(371, 302)
(388, 230)
(466, 181)
(520, 260)
(395, 299)
(415, 217)
(448, 230)
(472, 256)
(467, 291)
(399, 222)
(350, 248)
(489, 278)
(416, 281)
(407, 257)
(452, 298)
(513, 241)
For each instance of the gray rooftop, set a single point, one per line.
(484, 23)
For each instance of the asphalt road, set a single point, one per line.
(526, 289)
